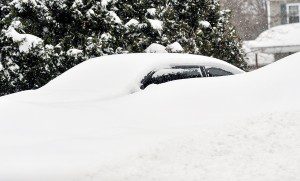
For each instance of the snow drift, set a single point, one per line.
(241, 127)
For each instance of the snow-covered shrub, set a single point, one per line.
(26, 63)
(175, 48)
(156, 48)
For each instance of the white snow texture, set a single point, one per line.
(241, 127)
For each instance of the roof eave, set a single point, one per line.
(276, 49)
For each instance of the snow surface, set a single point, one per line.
(77, 3)
(74, 52)
(27, 41)
(105, 2)
(175, 47)
(132, 22)
(156, 24)
(284, 35)
(90, 13)
(151, 11)
(16, 3)
(115, 17)
(172, 71)
(205, 24)
(156, 48)
(240, 127)
(106, 36)
(263, 58)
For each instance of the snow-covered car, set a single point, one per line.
(116, 75)
(239, 127)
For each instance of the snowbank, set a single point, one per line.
(241, 127)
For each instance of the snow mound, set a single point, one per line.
(27, 41)
(174, 48)
(156, 48)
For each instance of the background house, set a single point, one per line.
(283, 12)
(281, 39)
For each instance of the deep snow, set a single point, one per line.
(241, 127)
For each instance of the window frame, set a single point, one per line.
(228, 73)
(144, 81)
(288, 11)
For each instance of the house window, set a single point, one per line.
(293, 11)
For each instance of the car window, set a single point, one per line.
(173, 73)
(216, 72)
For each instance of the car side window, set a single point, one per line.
(216, 72)
(173, 73)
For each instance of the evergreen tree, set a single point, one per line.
(201, 28)
(71, 31)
